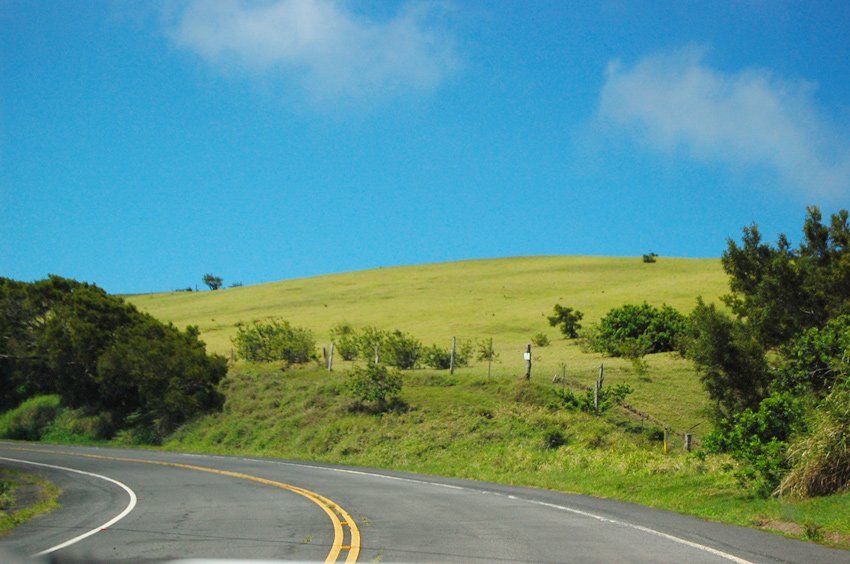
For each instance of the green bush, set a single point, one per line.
(30, 420)
(400, 350)
(540, 340)
(758, 440)
(817, 359)
(370, 340)
(437, 358)
(374, 383)
(635, 330)
(273, 341)
(344, 337)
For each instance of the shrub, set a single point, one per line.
(274, 340)
(633, 331)
(540, 340)
(400, 350)
(30, 420)
(650, 258)
(437, 358)
(344, 338)
(369, 340)
(608, 398)
(759, 439)
(374, 383)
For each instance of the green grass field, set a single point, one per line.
(506, 299)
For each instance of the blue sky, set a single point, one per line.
(145, 144)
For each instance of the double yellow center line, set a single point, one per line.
(339, 517)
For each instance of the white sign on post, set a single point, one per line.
(526, 355)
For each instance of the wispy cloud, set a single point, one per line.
(323, 46)
(675, 102)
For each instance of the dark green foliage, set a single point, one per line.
(817, 358)
(374, 383)
(437, 358)
(214, 282)
(650, 258)
(781, 291)
(567, 320)
(792, 307)
(633, 331)
(59, 336)
(759, 440)
(274, 340)
(345, 341)
(159, 375)
(731, 362)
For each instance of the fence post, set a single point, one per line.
(598, 388)
(331, 359)
(452, 361)
(688, 439)
(528, 363)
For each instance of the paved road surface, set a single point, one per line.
(175, 506)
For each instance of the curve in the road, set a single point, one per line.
(339, 517)
(130, 506)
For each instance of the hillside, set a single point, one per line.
(506, 299)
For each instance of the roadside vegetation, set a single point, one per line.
(657, 384)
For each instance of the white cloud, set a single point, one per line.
(332, 52)
(752, 118)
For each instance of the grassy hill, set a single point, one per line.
(506, 299)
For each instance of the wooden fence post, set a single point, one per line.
(528, 363)
(452, 361)
(331, 359)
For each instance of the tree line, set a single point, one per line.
(102, 356)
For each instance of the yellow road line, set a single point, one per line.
(333, 510)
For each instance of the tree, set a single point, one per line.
(731, 363)
(635, 330)
(779, 290)
(214, 282)
(487, 352)
(568, 320)
(60, 336)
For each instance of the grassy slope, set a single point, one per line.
(507, 299)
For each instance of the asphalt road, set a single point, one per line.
(178, 506)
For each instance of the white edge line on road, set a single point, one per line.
(702, 547)
(106, 525)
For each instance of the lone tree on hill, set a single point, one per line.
(214, 282)
(568, 319)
